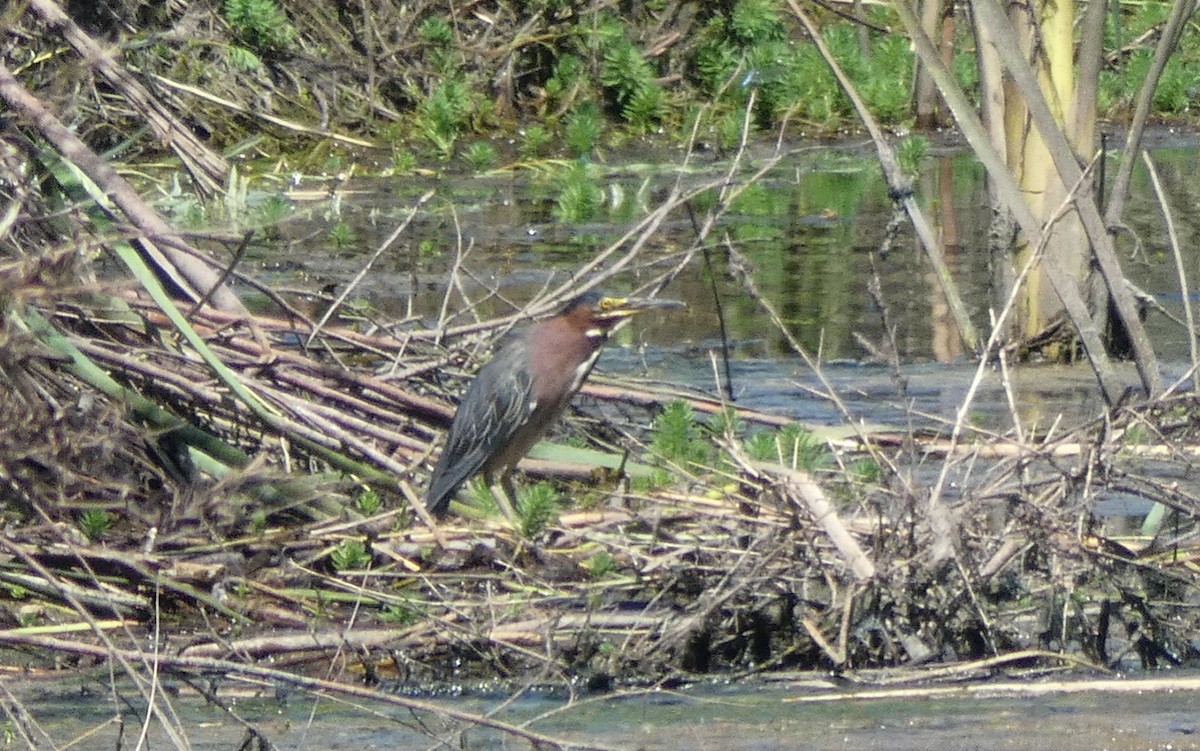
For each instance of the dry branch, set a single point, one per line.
(165, 249)
(206, 168)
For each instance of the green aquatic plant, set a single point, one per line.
(361, 308)
(441, 116)
(341, 235)
(911, 153)
(568, 78)
(756, 21)
(582, 130)
(884, 79)
(272, 209)
(350, 555)
(242, 59)
(796, 81)
(600, 565)
(625, 70)
(677, 436)
(658, 478)
(631, 82)
(725, 422)
(260, 23)
(717, 59)
(439, 47)
(436, 31)
(601, 32)
(784, 79)
(95, 523)
(646, 108)
(1110, 96)
(966, 72)
(481, 497)
(731, 125)
(792, 446)
(368, 502)
(1178, 87)
(538, 509)
(1136, 435)
(534, 141)
(580, 197)
(802, 448)
(865, 470)
(481, 155)
(843, 43)
(404, 162)
(399, 615)
(761, 446)
(750, 51)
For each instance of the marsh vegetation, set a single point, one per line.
(204, 473)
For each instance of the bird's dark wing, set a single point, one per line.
(497, 403)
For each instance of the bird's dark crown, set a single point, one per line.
(593, 309)
(590, 299)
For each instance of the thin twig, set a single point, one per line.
(1177, 254)
(412, 213)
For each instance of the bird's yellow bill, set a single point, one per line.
(624, 307)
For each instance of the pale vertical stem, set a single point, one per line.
(1069, 171)
(1091, 56)
(1010, 194)
(925, 93)
(1167, 41)
(1184, 290)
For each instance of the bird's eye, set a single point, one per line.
(607, 304)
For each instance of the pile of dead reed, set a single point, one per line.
(891, 550)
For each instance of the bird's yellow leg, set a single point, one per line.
(506, 496)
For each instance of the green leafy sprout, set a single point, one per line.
(481, 156)
(538, 509)
(341, 235)
(791, 446)
(350, 555)
(600, 565)
(580, 197)
(95, 523)
(368, 502)
(678, 437)
(260, 23)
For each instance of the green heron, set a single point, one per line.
(518, 395)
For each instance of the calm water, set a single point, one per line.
(809, 227)
(741, 718)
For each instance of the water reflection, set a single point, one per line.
(812, 229)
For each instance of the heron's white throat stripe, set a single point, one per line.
(583, 369)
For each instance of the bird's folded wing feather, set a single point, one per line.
(495, 406)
